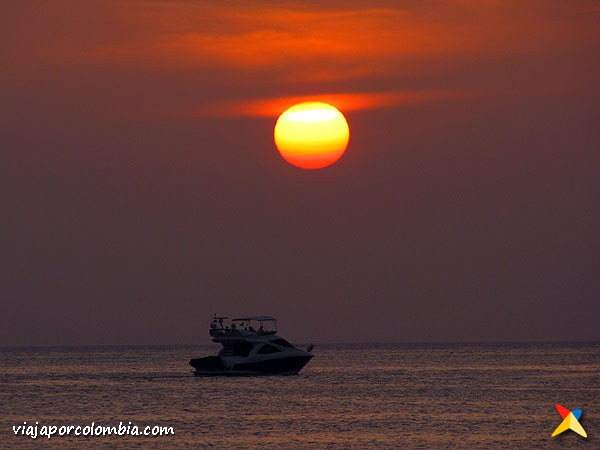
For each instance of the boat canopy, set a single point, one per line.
(257, 318)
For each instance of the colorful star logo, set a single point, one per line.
(570, 421)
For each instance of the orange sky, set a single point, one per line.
(139, 177)
(296, 49)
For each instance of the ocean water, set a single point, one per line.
(459, 396)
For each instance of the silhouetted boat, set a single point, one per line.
(251, 347)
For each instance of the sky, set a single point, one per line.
(141, 190)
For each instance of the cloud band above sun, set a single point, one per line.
(272, 107)
(159, 59)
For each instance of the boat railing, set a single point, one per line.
(246, 326)
(229, 332)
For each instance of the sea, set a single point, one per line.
(349, 396)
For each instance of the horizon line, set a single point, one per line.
(496, 342)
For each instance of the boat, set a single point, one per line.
(251, 347)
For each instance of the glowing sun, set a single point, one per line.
(311, 135)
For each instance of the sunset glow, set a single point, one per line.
(158, 151)
(311, 135)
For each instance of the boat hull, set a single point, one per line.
(289, 365)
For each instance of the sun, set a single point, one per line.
(311, 135)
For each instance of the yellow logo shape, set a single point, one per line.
(570, 421)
